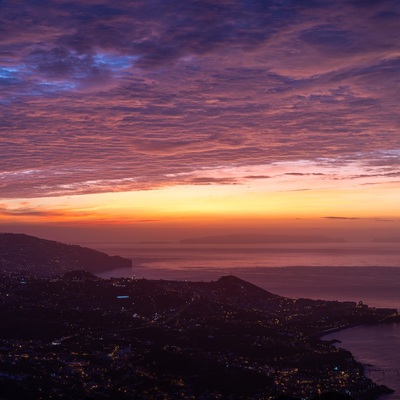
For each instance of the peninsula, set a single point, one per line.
(32, 255)
(75, 335)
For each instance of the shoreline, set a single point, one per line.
(379, 390)
(315, 282)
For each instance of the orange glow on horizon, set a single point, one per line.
(216, 202)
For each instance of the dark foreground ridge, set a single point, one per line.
(19, 252)
(78, 336)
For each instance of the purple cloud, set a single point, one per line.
(110, 96)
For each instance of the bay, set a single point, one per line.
(378, 348)
(367, 272)
(186, 256)
(333, 271)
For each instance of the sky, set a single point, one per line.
(155, 119)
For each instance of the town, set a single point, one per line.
(82, 337)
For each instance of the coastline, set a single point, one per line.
(388, 320)
(378, 391)
(338, 329)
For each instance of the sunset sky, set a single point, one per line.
(162, 119)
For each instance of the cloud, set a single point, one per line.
(210, 181)
(304, 174)
(38, 213)
(345, 218)
(111, 96)
(257, 177)
(296, 190)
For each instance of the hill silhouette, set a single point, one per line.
(232, 285)
(46, 257)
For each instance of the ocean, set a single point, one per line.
(367, 272)
(377, 347)
(335, 271)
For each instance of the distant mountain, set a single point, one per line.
(259, 238)
(154, 242)
(19, 252)
(393, 239)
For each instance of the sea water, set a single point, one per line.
(357, 272)
(188, 256)
(378, 348)
(333, 271)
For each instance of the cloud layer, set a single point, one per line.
(102, 96)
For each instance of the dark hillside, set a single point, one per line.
(46, 257)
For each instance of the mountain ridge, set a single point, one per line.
(45, 257)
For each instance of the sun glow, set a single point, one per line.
(214, 201)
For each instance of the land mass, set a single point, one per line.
(390, 239)
(78, 336)
(82, 337)
(20, 252)
(257, 239)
